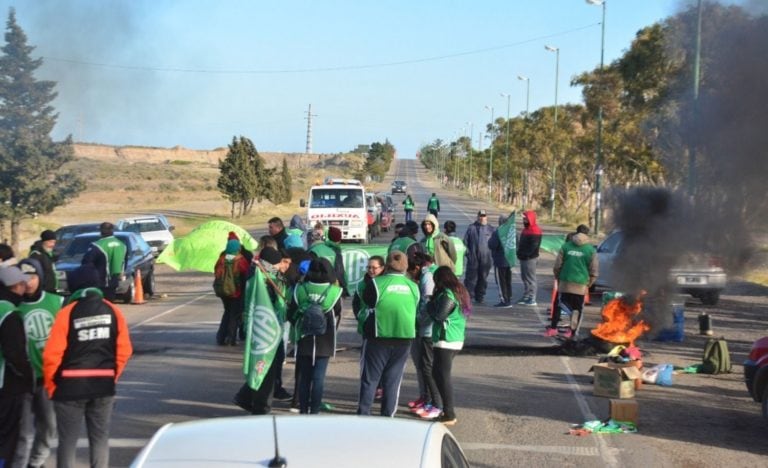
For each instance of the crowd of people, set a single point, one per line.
(59, 359)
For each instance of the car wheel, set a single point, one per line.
(765, 402)
(149, 284)
(128, 296)
(710, 297)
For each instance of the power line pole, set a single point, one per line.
(309, 116)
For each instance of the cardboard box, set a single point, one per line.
(615, 380)
(623, 410)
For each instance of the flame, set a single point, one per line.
(619, 324)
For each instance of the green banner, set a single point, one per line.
(508, 238)
(264, 331)
(355, 257)
(552, 243)
(200, 249)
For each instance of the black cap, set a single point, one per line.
(270, 255)
(47, 235)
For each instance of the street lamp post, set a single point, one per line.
(506, 165)
(527, 102)
(471, 137)
(599, 159)
(490, 161)
(556, 50)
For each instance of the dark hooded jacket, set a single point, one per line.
(48, 278)
(530, 238)
(18, 376)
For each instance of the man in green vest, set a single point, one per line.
(576, 270)
(449, 228)
(408, 207)
(389, 327)
(16, 376)
(406, 241)
(433, 205)
(108, 256)
(38, 422)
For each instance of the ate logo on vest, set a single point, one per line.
(37, 324)
(355, 264)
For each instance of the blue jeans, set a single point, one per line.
(37, 430)
(69, 421)
(383, 363)
(311, 381)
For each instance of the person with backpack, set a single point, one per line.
(408, 206)
(230, 275)
(433, 205)
(312, 312)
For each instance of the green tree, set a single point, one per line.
(283, 192)
(32, 178)
(236, 179)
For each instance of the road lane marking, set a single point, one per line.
(607, 454)
(169, 311)
(548, 449)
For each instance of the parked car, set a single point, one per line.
(139, 257)
(65, 234)
(387, 218)
(399, 186)
(155, 229)
(332, 440)
(373, 206)
(699, 275)
(756, 373)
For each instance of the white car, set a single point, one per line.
(303, 441)
(155, 229)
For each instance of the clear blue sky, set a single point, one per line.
(195, 73)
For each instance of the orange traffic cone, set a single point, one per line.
(138, 289)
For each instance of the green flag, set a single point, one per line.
(264, 331)
(508, 238)
(552, 243)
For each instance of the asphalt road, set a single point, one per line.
(516, 397)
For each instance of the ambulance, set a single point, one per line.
(340, 203)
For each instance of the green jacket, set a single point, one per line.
(402, 244)
(451, 329)
(433, 204)
(114, 250)
(396, 305)
(461, 251)
(38, 317)
(408, 204)
(322, 250)
(576, 265)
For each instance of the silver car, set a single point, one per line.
(697, 274)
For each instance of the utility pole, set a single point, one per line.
(692, 139)
(309, 116)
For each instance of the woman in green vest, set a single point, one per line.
(313, 351)
(408, 207)
(449, 308)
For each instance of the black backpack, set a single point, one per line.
(313, 321)
(717, 359)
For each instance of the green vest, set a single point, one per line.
(576, 260)
(461, 250)
(6, 309)
(452, 328)
(401, 244)
(432, 204)
(398, 300)
(408, 204)
(38, 319)
(114, 250)
(307, 292)
(323, 251)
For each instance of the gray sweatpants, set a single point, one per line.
(97, 413)
(528, 275)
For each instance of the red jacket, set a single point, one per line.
(87, 350)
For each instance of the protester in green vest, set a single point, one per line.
(16, 375)
(407, 242)
(449, 228)
(313, 351)
(449, 309)
(38, 423)
(576, 269)
(433, 205)
(437, 244)
(107, 255)
(389, 327)
(408, 207)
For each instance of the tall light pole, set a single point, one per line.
(490, 161)
(471, 137)
(556, 50)
(696, 78)
(506, 165)
(527, 102)
(599, 159)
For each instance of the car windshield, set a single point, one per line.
(77, 248)
(144, 226)
(336, 197)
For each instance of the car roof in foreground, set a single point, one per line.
(304, 441)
